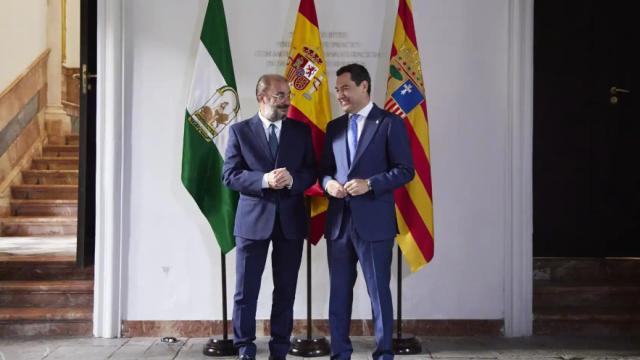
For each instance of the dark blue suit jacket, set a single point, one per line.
(248, 158)
(384, 157)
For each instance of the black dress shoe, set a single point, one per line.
(275, 358)
(246, 357)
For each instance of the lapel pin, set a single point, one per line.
(377, 121)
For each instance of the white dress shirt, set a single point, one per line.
(364, 112)
(265, 125)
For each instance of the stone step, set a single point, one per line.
(45, 313)
(42, 267)
(47, 321)
(38, 226)
(46, 328)
(589, 322)
(44, 207)
(60, 150)
(49, 293)
(575, 297)
(41, 177)
(587, 270)
(54, 163)
(40, 192)
(72, 139)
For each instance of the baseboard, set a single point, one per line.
(320, 327)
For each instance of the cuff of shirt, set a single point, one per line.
(265, 183)
(325, 181)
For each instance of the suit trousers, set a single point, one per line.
(251, 257)
(343, 254)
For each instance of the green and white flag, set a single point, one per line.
(212, 107)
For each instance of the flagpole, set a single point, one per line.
(223, 261)
(224, 346)
(309, 346)
(308, 290)
(403, 344)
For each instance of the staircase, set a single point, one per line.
(586, 296)
(46, 203)
(45, 295)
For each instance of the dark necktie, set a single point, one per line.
(353, 137)
(273, 140)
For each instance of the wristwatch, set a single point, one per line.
(369, 184)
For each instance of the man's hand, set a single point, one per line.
(279, 178)
(356, 187)
(335, 189)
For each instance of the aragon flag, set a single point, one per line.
(211, 108)
(406, 98)
(306, 72)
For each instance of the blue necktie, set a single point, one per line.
(273, 140)
(353, 137)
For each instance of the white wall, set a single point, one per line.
(173, 266)
(23, 36)
(73, 34)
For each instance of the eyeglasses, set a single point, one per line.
(279, 97)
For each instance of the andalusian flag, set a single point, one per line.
(406, 98)
(212, 107)
(307, 74)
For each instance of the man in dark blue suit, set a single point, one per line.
(366, 156)
(270, 161)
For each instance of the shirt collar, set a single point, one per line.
(364, 112)
(266, 122)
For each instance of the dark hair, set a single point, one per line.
(358, 74)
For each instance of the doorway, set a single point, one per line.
(586, 178)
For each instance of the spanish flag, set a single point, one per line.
(406, 98)
(307, 74)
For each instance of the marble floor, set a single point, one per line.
(563, 348)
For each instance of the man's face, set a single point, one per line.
(351, 97)
(274, 103)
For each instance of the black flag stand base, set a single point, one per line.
(219, 347)
(403, 344)
(309, 346)
(406, 345)
(224, 346)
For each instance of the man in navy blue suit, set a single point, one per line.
(270, 162)
(366, 156)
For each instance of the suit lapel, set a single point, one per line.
(258, 131)
(370, 126)
(340, 144)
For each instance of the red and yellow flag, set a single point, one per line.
(307, 74)
(406, 98)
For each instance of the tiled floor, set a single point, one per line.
(564, 348)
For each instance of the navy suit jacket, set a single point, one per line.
(248, 158)
(384, 157)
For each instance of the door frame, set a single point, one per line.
(518, 249)
(109, 259)
(518, 258)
